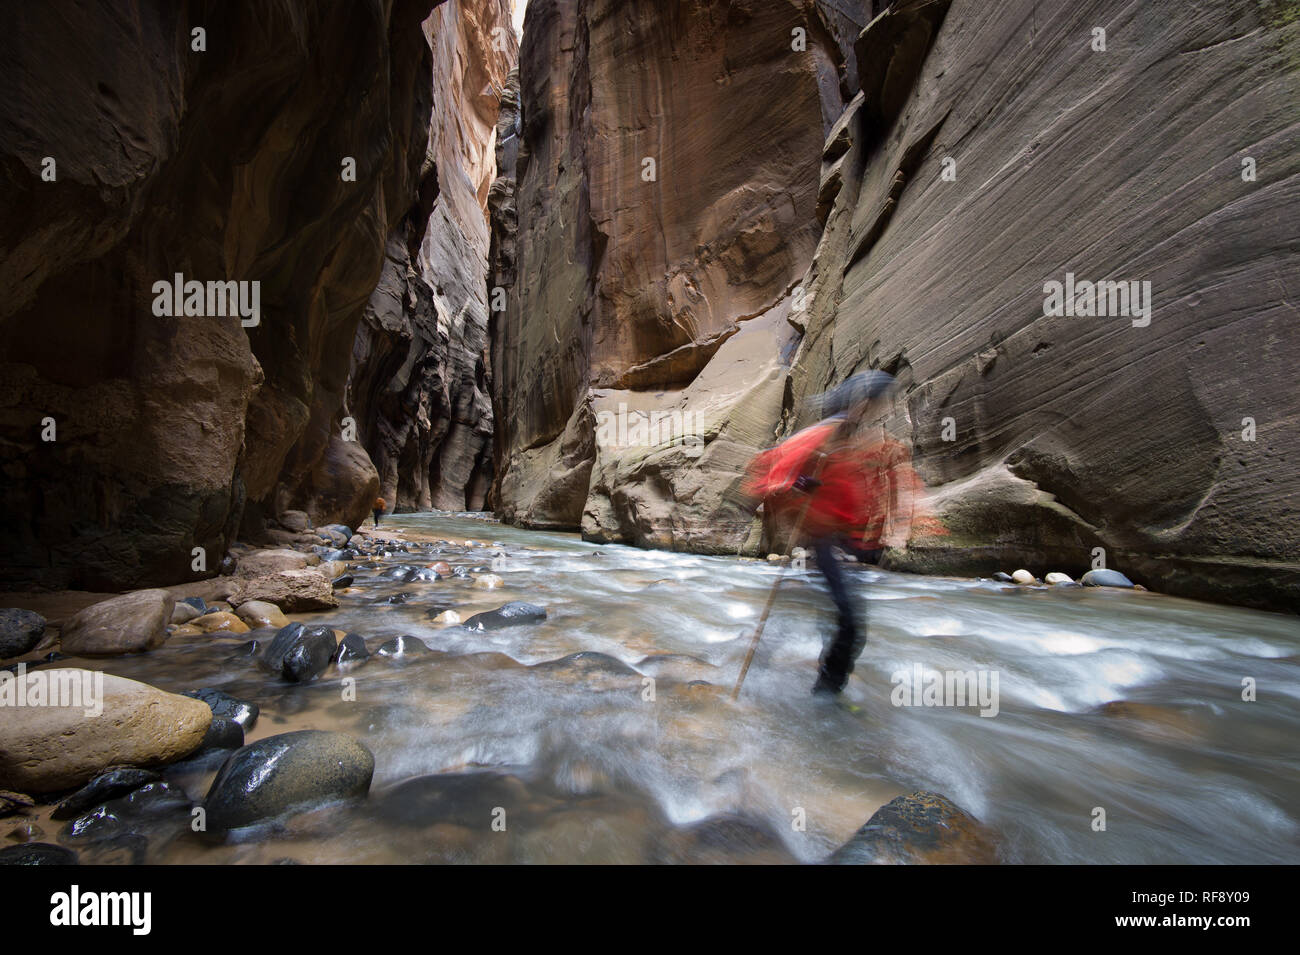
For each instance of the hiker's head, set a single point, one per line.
(859, 396)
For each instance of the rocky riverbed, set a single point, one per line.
(447, 688)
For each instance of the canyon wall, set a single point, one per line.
(665, 191)
(418, 391)
(133, 148)
(791, 240)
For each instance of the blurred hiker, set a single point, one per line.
(842, 489)
(379, 506)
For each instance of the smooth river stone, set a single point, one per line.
(51, 748)
(507, 615)
(287, 773)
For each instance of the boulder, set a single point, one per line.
(130, 623)
(282, 774)
(184, 612)
(1024, 577)
(296, 521)
(50, 748)
(403, 648)
(1055, 577)
(259, 613)
(223, 704)
(507, 615)
(293, 591)
(351, 651)
(37, 853)
(262, 562)
(921, 827)
(107, 785)
(20, 632)
(1105, 578)
(219, 622)
(300, 653)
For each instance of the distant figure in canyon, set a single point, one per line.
(379, 506)
(845, 489)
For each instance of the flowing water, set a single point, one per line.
(502, 747)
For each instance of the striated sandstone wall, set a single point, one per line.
(1069, 433)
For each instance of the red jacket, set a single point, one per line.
(868, 490)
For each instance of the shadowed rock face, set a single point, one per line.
(1071, 432)
(419, 388)
(220, 165)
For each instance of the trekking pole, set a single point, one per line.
(771, 599)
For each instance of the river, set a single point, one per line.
(488, 750)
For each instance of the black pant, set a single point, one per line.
(844, 649)
(377, 513)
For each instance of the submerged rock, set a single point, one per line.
(1003, 577)
(184, 612)
(116, 782)
(921, 827)
(225, 705)
(130, 623)
(487, 582)
(259, 613)
(20, 632)
(220, 622)
(223, 733)
(727, 839)
(1105, 578)
(287, 773)
(12, 803)
(300, 653)
(37, 853)
(351, 651)
(507, 615)
(403, 647)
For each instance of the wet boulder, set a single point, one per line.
(300, 653)
(728, 839)
(225, 705)
(259, 613)
(507, 615)
(119, 781)
(921, 827)
(1106, 578)
(37, 853)
(223, 733)
(20, 632)
(282, 774)
(351, 651)
(403, 648)
(219, 623)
